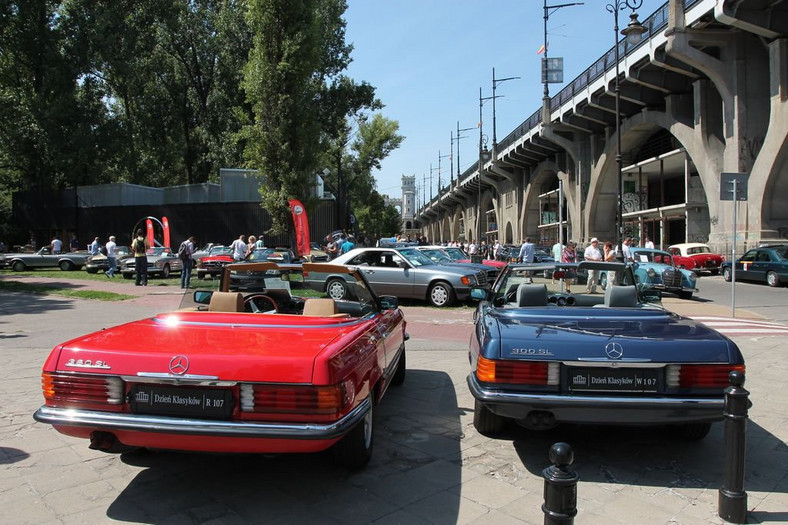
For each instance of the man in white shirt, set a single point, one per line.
(649, 244)
(472, 248)
(111, 258)
(592, 253)
(57, 245)
(625, 248)
(239, 248)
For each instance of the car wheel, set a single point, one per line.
(485, 421)
(772, 279)
(440, 294)
(726, 274)
(714, 272)
(399, 375)
(165, 271)
(18, 266)
(694, 431)
(128, 276)
(355, 449)
(336, 289)
(685, 295)
(66, 265)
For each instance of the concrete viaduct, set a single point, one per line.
(705, 93)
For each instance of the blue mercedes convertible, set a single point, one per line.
(542, 355)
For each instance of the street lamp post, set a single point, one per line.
(458, 147)
(439, 171)
(482, 157)
(495, 82)
(548, 9)
(633, 34)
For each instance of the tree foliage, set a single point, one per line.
(299, 95)
(164, 92)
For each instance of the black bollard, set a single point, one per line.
(560, 487)
(733, 498)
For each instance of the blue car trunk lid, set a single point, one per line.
(585, 333)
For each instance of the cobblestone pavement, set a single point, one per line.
(429, 465)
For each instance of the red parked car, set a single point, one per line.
(284, 370)
(696, 257)
(213, 263)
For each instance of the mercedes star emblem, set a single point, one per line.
(179, 365)
(614, 350)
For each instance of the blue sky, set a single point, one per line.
(428, 59)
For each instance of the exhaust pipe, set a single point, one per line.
(107, 442)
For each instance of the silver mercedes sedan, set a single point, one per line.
(403, 273)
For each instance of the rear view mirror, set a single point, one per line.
(388, 302)
(479, 294)
(202, 297)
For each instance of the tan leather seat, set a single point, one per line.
(320, 307)
(226, 302)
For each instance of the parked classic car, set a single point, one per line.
(251, 281)
(404, 273)
(205, 251)
(212, 264)
(316, 253)
(541, 357)
(443, 255)
(696, 257)
(457, 255)
(161, 262)
(656, 269)
(225, 376)
(43, 258)
(767, 264)
(97, 263)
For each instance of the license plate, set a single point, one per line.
(177, 401)
(613, 379)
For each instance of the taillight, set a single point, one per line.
(518, 372)
(294, 399)
(68, 388)
(700, 376)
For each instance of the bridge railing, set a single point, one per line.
(654, 24)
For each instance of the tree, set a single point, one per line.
(294, 83)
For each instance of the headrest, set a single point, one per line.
(320, 307)
(532, 295)
(621, 296)
(226, 302)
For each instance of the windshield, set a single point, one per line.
(655, 257)
(270, 254)
(455, 253)
(416, 258)
(782, 252)
(559, 279)
(159, 250)
(286, 288)
(435, 254)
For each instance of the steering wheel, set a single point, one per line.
(250, 303)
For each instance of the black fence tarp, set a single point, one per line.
(218, 222)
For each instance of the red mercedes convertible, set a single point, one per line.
(286, 369)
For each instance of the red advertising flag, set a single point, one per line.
(301, 227)
(149, 225)
(166, 227)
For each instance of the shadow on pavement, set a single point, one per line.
(32, 304)
(654, 456)
(416, 459)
